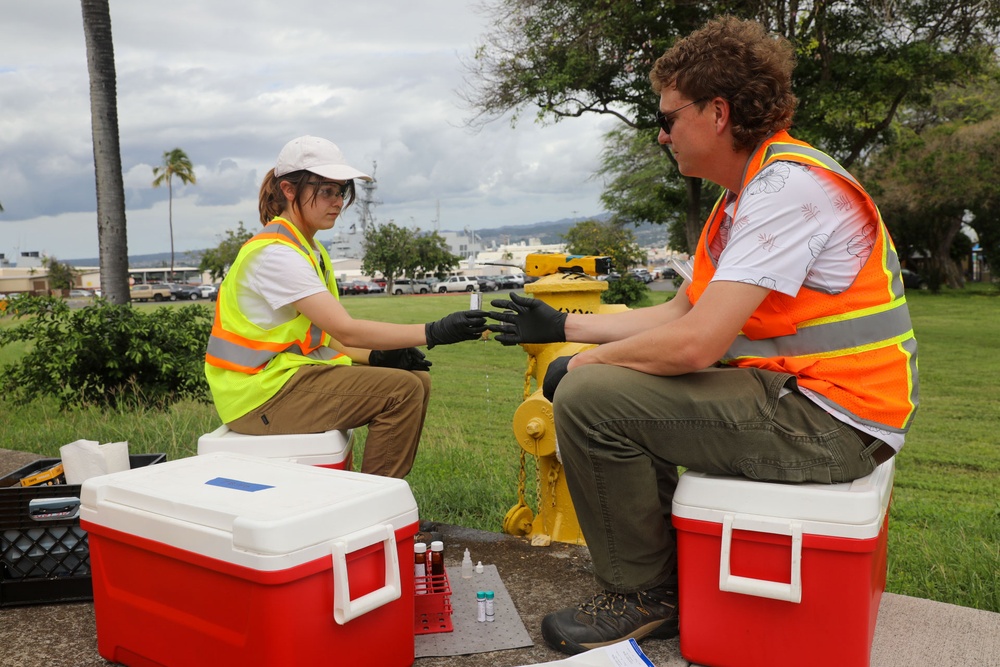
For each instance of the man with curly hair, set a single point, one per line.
(788, 354)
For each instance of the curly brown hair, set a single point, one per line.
(271, 201)
(741, 62)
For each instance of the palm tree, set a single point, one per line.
(112, 238)
(175, 163)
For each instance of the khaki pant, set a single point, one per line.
(623, 433)
(391, 402)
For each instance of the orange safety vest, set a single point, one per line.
(856, 349)
(246, 365)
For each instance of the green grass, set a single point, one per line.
(944, 537)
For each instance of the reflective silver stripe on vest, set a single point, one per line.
(828, 337)
(818, 156)
(250, 358)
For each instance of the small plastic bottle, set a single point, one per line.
(481, 606)
(437, 565)
(479, 567)
(489, 606)
(420, 568)
(467, 565)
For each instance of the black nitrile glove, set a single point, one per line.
(454, 328)
(553, 374)
(407, 359)
(527, 321)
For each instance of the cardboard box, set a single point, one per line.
(331, 449)
(774, 575)
(230, 559)
(44, 554)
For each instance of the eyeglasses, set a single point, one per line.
(666, 120)
(331, 191)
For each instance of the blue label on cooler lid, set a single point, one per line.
(237, 485)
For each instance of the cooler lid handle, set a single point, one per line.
(344, 608)
(790, 592)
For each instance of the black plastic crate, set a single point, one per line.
(44, 555)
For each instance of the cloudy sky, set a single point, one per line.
(230, 81)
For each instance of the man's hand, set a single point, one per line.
(554, 374)
(527, 321)
(407, 359)
(454, 328)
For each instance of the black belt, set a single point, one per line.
(883, 453)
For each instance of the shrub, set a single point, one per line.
(627, 290)
(107, 354)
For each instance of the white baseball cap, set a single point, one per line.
(318, 156)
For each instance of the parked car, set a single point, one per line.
(80, 294)
(374, 287)
(154, 291)
(641, 274)
(407, 286)
(353, 287)
(458, 284)
(185, 292)
(209, 291)
(486, 284)
(513, 281)
(911, 279)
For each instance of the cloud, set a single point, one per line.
(229, 82)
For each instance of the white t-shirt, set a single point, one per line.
(798, 226)
(275, 277)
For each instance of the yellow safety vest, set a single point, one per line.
(245, 364)
(855, 349)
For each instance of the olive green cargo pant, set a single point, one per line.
(623, 433)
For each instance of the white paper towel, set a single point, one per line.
(84, 459)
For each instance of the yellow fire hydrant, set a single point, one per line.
(534, 427)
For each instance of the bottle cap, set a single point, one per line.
(467, 557)
(437, 545)
(489, 595)
(419, 548)
(481, 595)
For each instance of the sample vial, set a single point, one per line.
(481, 606)
(475, 301)
(489, 606)
(420, 568)
(467, 565)
(437, 565)
(479, 567)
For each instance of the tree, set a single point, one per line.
(112, 234)
(389, 250)
(218, 260)
(433, 255)
(61, 276)
(929, 184)
(591, 237)
(939, 174)
(859, 62)
(175, 163)
(615, 241)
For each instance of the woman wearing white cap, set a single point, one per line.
(286, 357)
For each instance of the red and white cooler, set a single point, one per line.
(780, 575)
(231, 559)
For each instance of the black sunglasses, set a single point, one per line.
(666, 120)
